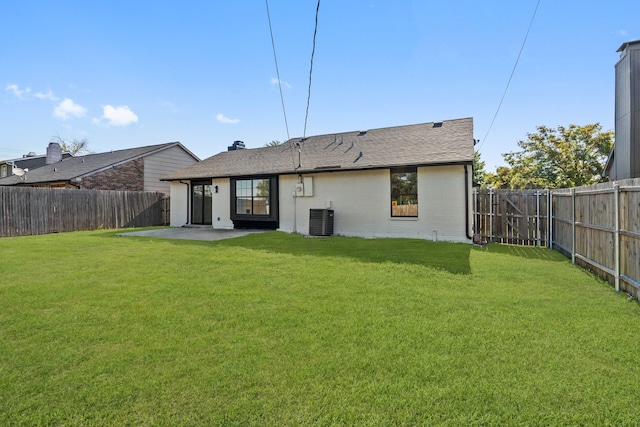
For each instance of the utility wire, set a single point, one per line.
(313, 50)
(275, 59)
(511, 76)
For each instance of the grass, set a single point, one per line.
(277, 329)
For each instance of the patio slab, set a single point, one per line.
(191, 233)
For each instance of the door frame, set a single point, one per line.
(205, 206)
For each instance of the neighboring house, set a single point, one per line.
(405, 181)
(133, 169)
(29, 161)
(624, 160)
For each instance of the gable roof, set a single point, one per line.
(81, 166)
(446, 142)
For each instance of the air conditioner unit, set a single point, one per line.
(321, 222)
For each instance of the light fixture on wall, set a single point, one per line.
(215, 189)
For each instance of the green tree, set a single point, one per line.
(273, 143)
(501, 178)
(479, 174)
(565, 157)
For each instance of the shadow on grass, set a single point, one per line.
(451, 257)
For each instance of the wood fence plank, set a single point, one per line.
(31, 210)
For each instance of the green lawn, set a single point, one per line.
(275, 329)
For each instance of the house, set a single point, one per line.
(405, 181)
(133, 169)
(624, 160)
(28, 161)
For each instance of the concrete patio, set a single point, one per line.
(191, 233)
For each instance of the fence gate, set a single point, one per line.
(512, 216)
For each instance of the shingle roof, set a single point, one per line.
(78, 167)
(431, 143)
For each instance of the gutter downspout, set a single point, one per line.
(466, 203)
(188, 188)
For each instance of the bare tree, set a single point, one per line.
(77, 147)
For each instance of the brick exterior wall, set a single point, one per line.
(126, 177)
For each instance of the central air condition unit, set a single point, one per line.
(321, 222)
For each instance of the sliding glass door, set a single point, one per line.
(201, 203)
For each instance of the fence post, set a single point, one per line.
(537, 218)
(573, 225)
(491, 214)
(616, 236)
(475, 211)
(549, 219)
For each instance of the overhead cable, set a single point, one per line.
(313, 50)
(275, 59)
(511, 76)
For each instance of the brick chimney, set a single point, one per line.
(54, 153)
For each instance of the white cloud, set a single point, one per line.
(119, 116)
(169, 106)
(49, 95)
(222, 119)
(67, 109)
(17, 91)
(274, 82)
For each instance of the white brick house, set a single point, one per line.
(406, 181)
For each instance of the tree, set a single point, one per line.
(75, 147)
(479, 174)
(500, 179)
(273, 143)
(565, 157)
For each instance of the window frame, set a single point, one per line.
(251, 198)
(393, 195)
(271, 200)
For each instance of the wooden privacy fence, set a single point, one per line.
(28, 210)
(597, 226)
(517, 217)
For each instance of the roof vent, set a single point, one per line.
(437, 124)
(237, 145)
(362, 132)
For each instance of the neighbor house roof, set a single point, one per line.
(81, 166)
(627, 44)
(446, 142)
(32, 162)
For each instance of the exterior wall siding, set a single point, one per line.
(622, 160)
(635, 113)
(362, 204)
(125, 177)
(222, 204)
(179, 203)
(443, 190)
(159, 165)
(627, 115)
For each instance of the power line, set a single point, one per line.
(275, 59)
(511, 76)
(313, 50)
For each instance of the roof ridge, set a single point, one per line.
(382, 128)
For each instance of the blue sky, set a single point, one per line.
(126, 73)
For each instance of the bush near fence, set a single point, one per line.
(28, 210)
